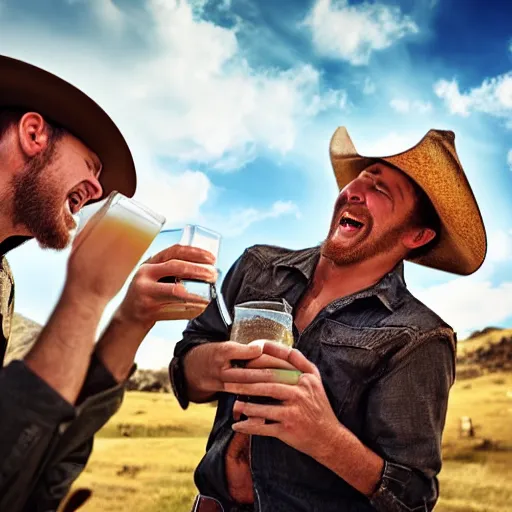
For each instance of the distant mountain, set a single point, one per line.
(25, 332)
(483, 332)
(488, 350)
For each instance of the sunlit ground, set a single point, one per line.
(151, 470)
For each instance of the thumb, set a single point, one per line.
(249, 351)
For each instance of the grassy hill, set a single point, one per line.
(151, 471)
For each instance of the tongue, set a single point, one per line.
(349, 227)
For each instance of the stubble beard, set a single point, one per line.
(37, 205)
(367, 247)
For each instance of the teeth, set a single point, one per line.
(346, 219)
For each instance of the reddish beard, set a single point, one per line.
(37, 204)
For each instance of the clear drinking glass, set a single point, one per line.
(117, 228)
(264, 320)
(196, 236)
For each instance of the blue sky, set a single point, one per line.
(229, 105)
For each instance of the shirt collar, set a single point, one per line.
(388, 290)
(11, 243)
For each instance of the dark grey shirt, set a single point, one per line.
(387, 363)
(45, 441)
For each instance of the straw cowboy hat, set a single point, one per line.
(434, 165)
(28, 87)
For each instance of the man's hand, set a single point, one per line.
(209, 369)
(148, 300)
(305, 419)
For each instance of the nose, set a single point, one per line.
(96, 190)
(355, 193)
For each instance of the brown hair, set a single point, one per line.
(424, 216)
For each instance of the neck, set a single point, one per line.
(7, 227)
(337, 281)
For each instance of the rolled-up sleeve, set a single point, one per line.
(407, 408)
(30, 414)
(45, 441)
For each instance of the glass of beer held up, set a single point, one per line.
(264, 320)
(117, 228)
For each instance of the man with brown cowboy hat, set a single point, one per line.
(58, 151)
(361, 427)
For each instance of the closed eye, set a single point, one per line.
(384, 191)
(95, 171)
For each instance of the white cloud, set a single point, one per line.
(369, 86)
(200, 100)
(240, 220)
(468, 304)
(404, 106)
(329, 100)
(106, 11)
(493, 97)
(390, 144)
(353, 32)
(455, 101)
(193, 92)
(509, 159)
(176, 196)
(499, 246)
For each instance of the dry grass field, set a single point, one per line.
(144, 458)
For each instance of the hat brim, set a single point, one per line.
(433, 164)
(23, 85)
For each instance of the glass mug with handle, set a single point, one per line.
(116, 228)
(264, 320)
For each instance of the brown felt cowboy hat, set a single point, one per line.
(28, 87)
(434, 165)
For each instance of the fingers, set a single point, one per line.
(278, 391)
(234, 351)
(292, 356)
(266, 361)
(185, 253)
(257, 428)
(182, 269)
(253, 422)
(265, 412)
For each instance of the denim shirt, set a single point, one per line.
(387, 364)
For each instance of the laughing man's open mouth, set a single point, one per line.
(349, 221)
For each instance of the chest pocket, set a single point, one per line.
(350, 358)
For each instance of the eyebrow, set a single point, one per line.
(93, 163)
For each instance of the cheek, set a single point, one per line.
(380, 208)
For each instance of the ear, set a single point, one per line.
(415, 238)
(33, 134)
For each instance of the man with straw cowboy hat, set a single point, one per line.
(360, 428)
(58, 151)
